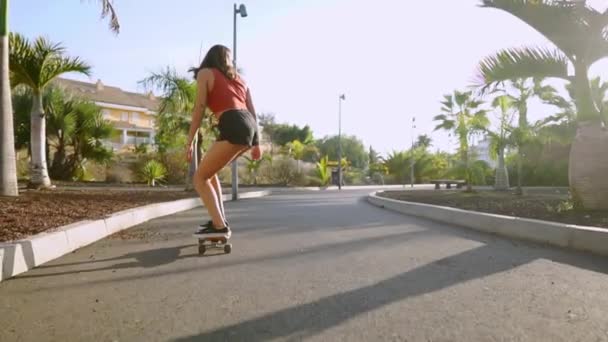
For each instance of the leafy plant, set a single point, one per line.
(153, 172)
(462, 116)
(323, 171)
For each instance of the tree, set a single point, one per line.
(296, 150)
(579, 33)
(35, 65)
(373, 156)
(8, 169)
(463, 118)
(282, 134)
(22, 107)
(352, 149)
(398, 165)
(78, 130)
(423, 141)
(501, 139)
(178, 95)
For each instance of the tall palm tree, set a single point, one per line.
(8, 163)
(36, 64)
(580, 34)
(178, 96)
(463, 117)
(8, 169)
(500, 139)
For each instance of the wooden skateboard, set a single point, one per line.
(214, 243)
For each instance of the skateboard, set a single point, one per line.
(215, 243)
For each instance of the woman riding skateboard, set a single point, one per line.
(221, 89)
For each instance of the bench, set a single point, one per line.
(448, 183)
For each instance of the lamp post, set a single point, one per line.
(242, 10)
(340, 99)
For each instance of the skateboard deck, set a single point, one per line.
(206, 243)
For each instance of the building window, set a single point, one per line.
(151, 122)
(106, 114)
(124, 116)
(134, 117)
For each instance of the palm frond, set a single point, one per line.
(178, 93)
(37, 63)
(557, 20)
(446, 125)
(107, 9)
(511, 64)
(62, 65)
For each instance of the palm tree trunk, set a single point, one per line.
(39, 176)
(467, 169)
(8, 163)
(58, 164)
(588, 167)
(520, 161)
(502, 174)
(588, 164)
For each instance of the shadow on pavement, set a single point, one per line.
(153, 258)
(143, 259)
(306, 320)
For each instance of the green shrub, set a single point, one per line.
(177, 166)
(153, 172)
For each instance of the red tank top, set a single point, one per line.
(226, 93)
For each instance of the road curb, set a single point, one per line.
(21, 256)
(580, 238)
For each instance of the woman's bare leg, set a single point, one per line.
(218, 156)
(217, 186)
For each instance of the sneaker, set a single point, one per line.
(210, 224)
(208, 230)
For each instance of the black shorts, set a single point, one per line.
(238, 127)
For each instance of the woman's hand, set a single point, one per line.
(256, 153)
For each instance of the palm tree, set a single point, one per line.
(423, 141)
(500, 139)
(296, 150)
(8, 169)
(8, 163)
(580, 34)
(462, 116)
(178, 96)
(36, 64)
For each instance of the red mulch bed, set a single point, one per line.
(34, 212)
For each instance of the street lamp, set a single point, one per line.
(242, 10)
(340, 99)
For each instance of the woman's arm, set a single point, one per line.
(256, 153)
(202, 82)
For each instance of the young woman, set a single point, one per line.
(221, 90)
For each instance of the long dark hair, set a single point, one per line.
(216, 58)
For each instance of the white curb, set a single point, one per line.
(586, 239)
(21, 256)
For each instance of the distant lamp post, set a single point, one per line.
(342, 98)
(242, 10)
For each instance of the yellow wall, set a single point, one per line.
(143, 120)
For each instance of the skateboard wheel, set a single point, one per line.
(201, 249)
(227, 249)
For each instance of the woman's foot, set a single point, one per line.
(207, 230)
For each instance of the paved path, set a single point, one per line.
(319, 266)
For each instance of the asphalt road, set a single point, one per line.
(319, 266)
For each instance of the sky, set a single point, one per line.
(393, 59)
